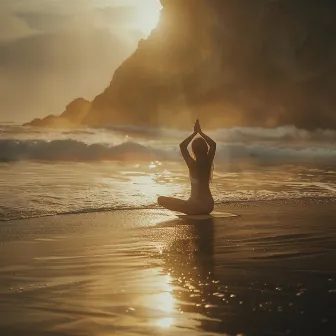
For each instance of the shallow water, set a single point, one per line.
(30, 189)
(47, 172)
(267, 272)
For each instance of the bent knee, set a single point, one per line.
(160, 200)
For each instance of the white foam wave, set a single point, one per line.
(74, 150)
(283, 134)
(279, 153)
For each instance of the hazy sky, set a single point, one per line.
(52, 51)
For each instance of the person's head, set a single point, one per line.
(199, 148)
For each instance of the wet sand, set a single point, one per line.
(269, 271)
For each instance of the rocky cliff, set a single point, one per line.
(72, 117)
(230, 62)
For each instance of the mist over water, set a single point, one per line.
(49, 172)
(132, 143)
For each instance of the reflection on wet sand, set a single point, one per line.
(189, 260)
(227, 281)
(266, 272)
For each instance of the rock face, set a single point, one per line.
(230, 62)
(72, 117)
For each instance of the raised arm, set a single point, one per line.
(210, 142)
(184, 148)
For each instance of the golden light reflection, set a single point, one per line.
(155, 164)
(165, 302)
(165, 322)
(149, 186)
(149, 189)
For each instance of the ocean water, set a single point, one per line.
(269, 271)
(46, 172)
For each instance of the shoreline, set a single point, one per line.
(218, 206)
(146, 272)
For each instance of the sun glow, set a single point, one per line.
(147, 16)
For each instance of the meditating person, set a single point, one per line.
(200, 166)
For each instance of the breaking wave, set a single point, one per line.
(73, 150)
(12, 150)
(282, 134)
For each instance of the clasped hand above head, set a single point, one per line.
(197, 127)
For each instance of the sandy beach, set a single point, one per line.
(269, 271)
(114, 114)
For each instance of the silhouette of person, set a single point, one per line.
(200, 169)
